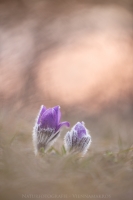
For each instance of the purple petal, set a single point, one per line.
(63, 124)
(81, 130)
(58, 113)
(49, 119)
(42, 110)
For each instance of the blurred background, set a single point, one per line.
(74, 53)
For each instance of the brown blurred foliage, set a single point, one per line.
(73, 53)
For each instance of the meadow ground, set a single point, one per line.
(106, 172)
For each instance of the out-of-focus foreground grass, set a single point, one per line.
(107, 168)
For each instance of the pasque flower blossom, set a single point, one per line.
(78, 139)
(47, 127)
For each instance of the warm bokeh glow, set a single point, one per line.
(96, 68)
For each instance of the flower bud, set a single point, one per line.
(47, 127)
(78, 139)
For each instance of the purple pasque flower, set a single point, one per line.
(47, 127)
(78, 139)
